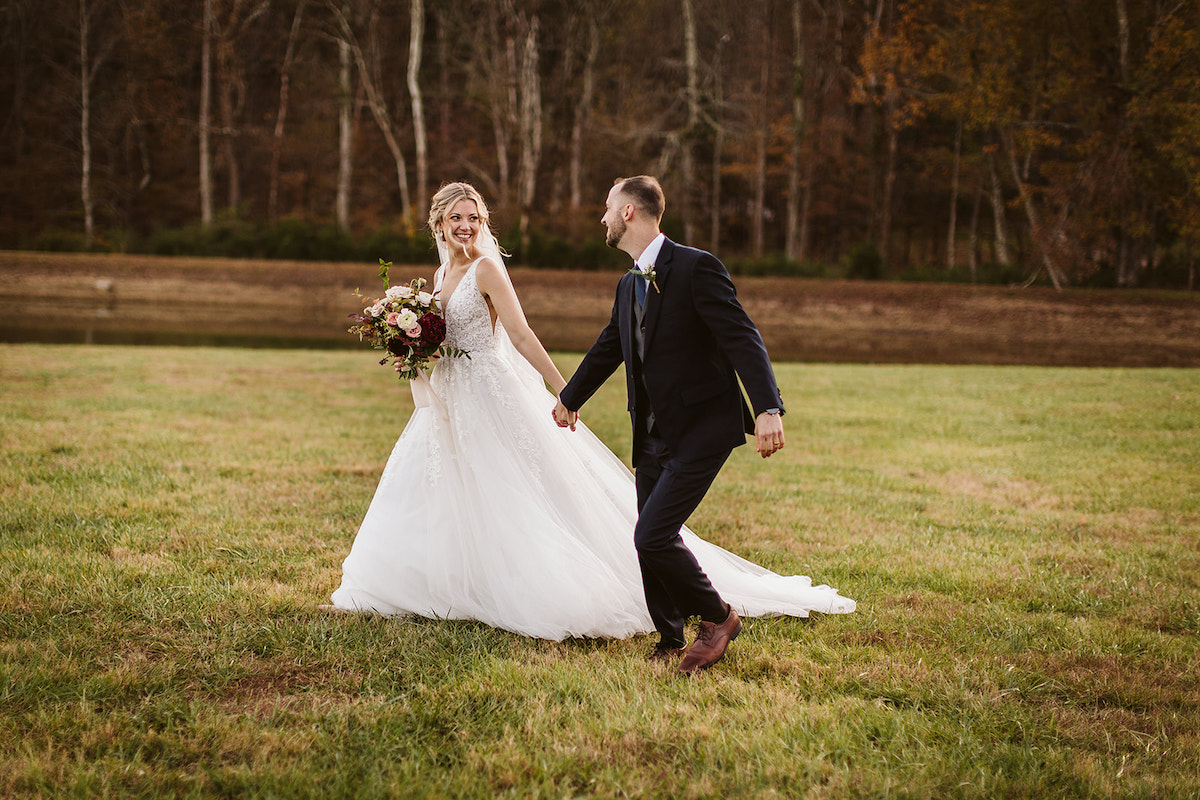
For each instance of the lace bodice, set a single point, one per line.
(468, 320)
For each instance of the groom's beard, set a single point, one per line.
(616, 232)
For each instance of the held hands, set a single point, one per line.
(564, 418)
(768, 434)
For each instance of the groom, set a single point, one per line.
(685, 340)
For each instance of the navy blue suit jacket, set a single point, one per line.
(698, 341)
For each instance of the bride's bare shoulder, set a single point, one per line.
(487, 268)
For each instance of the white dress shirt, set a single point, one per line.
(645, 262)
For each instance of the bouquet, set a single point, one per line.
(406, 322)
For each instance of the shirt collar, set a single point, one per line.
(646, 260)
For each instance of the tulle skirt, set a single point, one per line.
(487, 510)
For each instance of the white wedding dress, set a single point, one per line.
(487, 510)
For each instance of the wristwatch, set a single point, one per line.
(772, 411)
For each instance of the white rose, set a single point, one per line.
(424, 298)
(406, 319)
(396, 292)
(376, 309)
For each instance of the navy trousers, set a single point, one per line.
(669, 490)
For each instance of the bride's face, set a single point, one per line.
(461, 225)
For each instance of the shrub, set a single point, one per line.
(62, 241)
(864, 262)
(777, 265)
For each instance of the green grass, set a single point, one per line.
(1022, 542)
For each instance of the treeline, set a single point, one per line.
(990, 140)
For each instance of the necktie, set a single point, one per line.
(640, 290)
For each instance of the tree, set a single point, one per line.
(843, 121)
(345, 173)
(795, 168)
(206, 33)
(415, 41)
(90, 61)
(583, 106)
(530, 121)
(691, 58)
(367, 59)
(289, 57)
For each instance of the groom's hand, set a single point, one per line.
(768, 434)
(563, 417)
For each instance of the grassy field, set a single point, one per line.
(1023, 543)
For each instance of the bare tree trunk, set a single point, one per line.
(345, 136)
(205, 102)
(794, 203)
(1123, 259)
(1191, 266)
(379, 110)
(973, 245)
(289, 57)
(1031, 214)
(582, 108)
(445, 102)
(714, 220)
(503, 113)
(691, 60)
(416, 36)
(85, 112)
(231, 87)
(225, 101)
(999, 224)
(889, 182)
(760, 167)
(805, 208)
(882, 209)
(531, 126)
(951, 234)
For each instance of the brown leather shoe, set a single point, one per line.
(660, 653)
(711, 640)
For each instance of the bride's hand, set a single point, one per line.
(564, 418)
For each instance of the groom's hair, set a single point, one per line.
(646, 193)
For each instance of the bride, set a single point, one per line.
(487, 510)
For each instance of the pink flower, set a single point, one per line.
(393, 318)
(414, 332)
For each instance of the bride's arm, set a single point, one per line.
(495, 286)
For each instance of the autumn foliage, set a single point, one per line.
(1047, 140)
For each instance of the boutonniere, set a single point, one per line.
(650, 275)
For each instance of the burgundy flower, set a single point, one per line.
(433, 329)
(410, 353)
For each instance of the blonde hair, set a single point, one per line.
(447, 196)
(444, 200)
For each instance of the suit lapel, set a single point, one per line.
(662, 273)
(628, 318)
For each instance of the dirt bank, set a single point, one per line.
(70, 297)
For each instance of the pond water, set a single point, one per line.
(110, 336)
